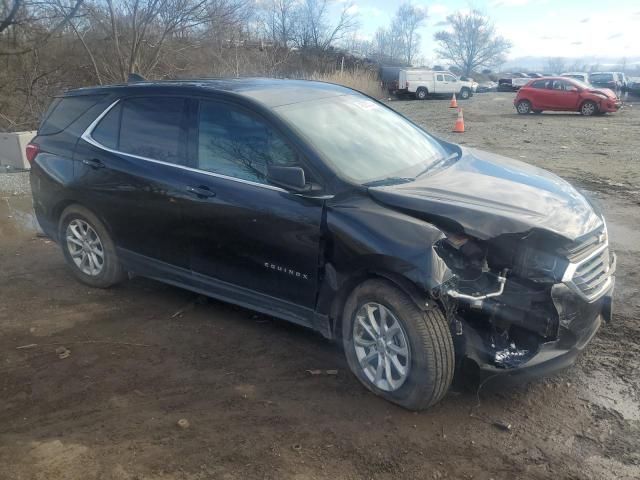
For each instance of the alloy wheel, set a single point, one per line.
(588, 108)
(523, 107)
(85, 247)
(381, 346)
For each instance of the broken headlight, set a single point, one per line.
(538, 265)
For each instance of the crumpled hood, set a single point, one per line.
(490, 195)
(607, 92)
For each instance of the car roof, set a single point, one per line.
(270, 92)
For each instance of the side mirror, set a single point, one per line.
(574, 89)
(287, 177)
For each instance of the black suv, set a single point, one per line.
(316, 204)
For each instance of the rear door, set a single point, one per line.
(536, 93)
(127, 170)
(244, 231)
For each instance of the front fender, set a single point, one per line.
(366, 239)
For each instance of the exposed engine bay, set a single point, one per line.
(511, 295)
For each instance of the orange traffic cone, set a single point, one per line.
(454, 102)
(459, 127)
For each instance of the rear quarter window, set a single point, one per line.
(64, 111)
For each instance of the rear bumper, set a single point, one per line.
(579, 322)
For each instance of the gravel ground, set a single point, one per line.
(14, 183)
(145, 355)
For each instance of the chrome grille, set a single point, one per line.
(590, 268)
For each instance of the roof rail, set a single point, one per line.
(134, 78)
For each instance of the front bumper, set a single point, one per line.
(610, 105)
(579, 321)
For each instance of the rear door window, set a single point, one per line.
(149, 127)
(63, 111)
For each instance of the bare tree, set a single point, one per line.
(407, 21)
(33, 23)
(278, 20)
(315, 30)
(472, 42)
(556, 65)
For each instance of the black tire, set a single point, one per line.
(465, 94)
(429, 339)
(588, 108)
(422, 93)
(523, 107)
(111, 271)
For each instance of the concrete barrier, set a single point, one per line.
(12, 147)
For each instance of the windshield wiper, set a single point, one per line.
(389, 181)
(441, 160)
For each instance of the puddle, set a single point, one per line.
(611, 393)
(17, 219)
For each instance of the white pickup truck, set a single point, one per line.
(425, 83)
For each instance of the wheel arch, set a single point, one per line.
(62, 205)
(420, 297)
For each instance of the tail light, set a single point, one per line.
(32, 151)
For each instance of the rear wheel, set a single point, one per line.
(422, 93)
(588, 108)
(396, 350)
(523, 107)
(88, 248)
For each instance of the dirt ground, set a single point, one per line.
(144, 356)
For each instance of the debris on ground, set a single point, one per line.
(502, 426)
(63, 352)
(184, 423)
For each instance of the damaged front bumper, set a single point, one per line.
(578, 305)
(525, 354)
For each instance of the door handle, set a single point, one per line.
(201, 192)
(93, 163)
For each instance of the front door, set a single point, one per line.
(562, 95)
(244, 231)
(127, 171)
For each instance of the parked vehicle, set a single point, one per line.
(581, 76)
(427, 83)
(565, 94)
(609, 80)
(488, 86)
(389, 78)
(633, 85)
(319, 205)
(511, 82)
(622, 78)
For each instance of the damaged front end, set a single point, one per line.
(526, 303)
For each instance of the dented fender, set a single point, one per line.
(364, 240)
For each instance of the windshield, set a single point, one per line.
(601, 77)
(364, 141)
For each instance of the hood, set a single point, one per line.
(607, 92)
(489, 195)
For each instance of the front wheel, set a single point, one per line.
(88, 248)
(588, 108)
(395, 349)
(523, 107)
(465, 93)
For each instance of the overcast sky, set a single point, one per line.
(541, 28)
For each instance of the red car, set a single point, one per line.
(565, 95)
